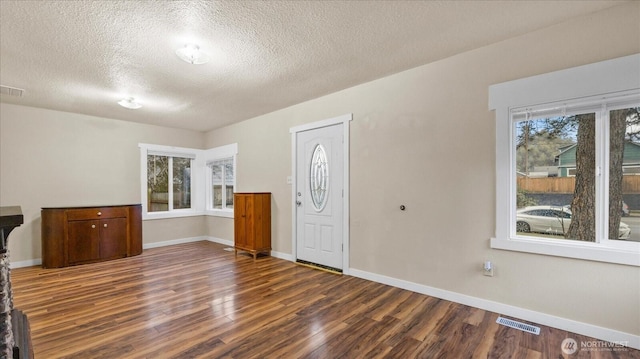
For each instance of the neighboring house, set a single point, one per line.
(566, 160)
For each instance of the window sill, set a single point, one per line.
(225, 213)
(618, 252)
(190, 213)
(172, 214)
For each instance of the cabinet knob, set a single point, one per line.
(105, 225)
(99, 213)
(93, 226)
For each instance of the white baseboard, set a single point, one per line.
(38, 261)
(285, 256)
(610, 335)
(27, 263)
(173, 241)
(226, 242)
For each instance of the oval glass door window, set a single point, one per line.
(319, 178)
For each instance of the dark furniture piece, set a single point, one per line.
(10, 218)
(15, 335)
(78, 235)
(252, 222)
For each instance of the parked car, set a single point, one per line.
(552, 220)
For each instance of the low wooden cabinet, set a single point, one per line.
(77, 235)
(252, 223)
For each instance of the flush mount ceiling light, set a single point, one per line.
(129, 103)
(191, 53)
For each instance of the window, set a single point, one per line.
(162, 170)
(180, 182)
(222, 183)
(567, 151)
(167, 187)
(567, 137)
(221, 174)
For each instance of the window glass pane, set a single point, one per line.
(216, 181)
(181, 183)
(222, 179)
(217, 196)
(229, 181)
(229, 175)
(229, 196)
(555, 176)
(624, 178)
(319, 178)
(157, 183)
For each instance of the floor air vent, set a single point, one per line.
(517, 325)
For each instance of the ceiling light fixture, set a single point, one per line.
(129, 103)
(191, 53)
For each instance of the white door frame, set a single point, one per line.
(344, 120)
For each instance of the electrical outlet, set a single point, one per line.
(487, 269)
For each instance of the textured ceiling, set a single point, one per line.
(84, 56)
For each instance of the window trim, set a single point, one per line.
(617, 78)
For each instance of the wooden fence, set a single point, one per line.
(630, 184)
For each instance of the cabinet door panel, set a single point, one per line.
(113, 238)
(84, 238)
(250, 225)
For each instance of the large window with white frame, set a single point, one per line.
(567, 148)
(169, 179)
(562, 205)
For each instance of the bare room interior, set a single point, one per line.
(320, 179)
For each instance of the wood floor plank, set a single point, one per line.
(197, 300)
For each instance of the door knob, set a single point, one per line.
(298, 203)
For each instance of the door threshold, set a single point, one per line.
(319, 267)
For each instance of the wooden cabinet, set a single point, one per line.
(252, 223)
(77, 235)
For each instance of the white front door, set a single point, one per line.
(319, 195)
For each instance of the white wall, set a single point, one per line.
(58, 159)
(425, 138)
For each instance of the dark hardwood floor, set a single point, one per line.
(197, 300)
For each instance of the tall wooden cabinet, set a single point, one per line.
(77, 235)
(252, 222)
